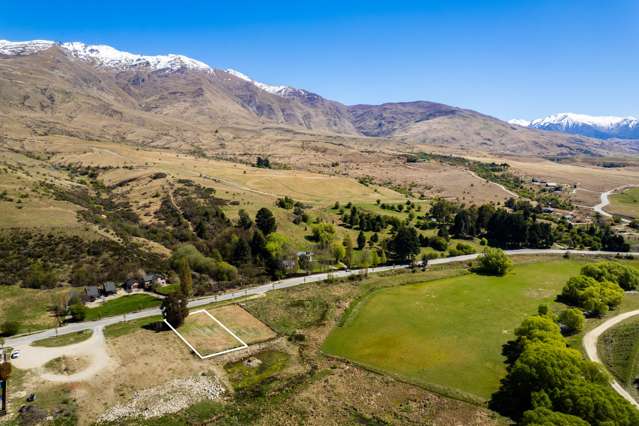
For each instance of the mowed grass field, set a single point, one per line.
(626, 202)
(447, 334)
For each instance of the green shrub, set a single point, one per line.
(591, 295)
(573, 319)
(542, 416)
(10, 328)
(625, 276)
(78, 312)
(493, 261)
(40, 277)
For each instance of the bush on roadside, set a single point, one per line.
(460, 249)
(10, 328)
(78, 312)
(493, 261)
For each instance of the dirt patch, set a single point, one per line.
(67, 365)
(145, 359)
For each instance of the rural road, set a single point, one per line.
(508, 191)
(93, 349)
(590, 346)
(265, 288)
(599, 208)
(590, 340)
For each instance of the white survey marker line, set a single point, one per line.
(243, 346)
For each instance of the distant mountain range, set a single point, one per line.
(602, 127)
(96, 92)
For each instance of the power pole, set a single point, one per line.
(5, 372)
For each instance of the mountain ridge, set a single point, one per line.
(96, 91)
(602, 127)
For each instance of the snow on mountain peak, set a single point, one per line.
(109, 57)
(569, 119)
(587, 125)
(520, 122)
(17, 48)
(103, 55)
(275, 90)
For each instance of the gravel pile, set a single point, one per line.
(169, 398)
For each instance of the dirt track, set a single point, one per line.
(590, 346)
(94, 349)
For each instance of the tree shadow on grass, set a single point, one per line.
(157, 326)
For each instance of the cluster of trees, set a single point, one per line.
(366, 221)
(600, 286)
(252, 248)
(263, 163)
(299, 215)
(593, 236)
(549, 383)
(408, 206)
(404, 244)
(502, 228)
(520, 227)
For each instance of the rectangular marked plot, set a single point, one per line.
(206, 335)
(243, 324)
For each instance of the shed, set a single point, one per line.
(109, 288)
(92, 293)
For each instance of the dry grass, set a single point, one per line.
(208, 337)
(67, 365)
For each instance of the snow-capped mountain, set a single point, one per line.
(275, 90)
(602, 127)
(107, 56)
(97, 92)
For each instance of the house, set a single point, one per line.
(307, 255)
(131, 284)
(91, 293)
(109, 288)
(288, 265)
(305, 259)
(151, 280)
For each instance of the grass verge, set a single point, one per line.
(64, 340)
(122, 305)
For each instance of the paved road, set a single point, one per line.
(265, 288)
(262, 289)
(590, 346)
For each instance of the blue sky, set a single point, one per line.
(505, 58)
